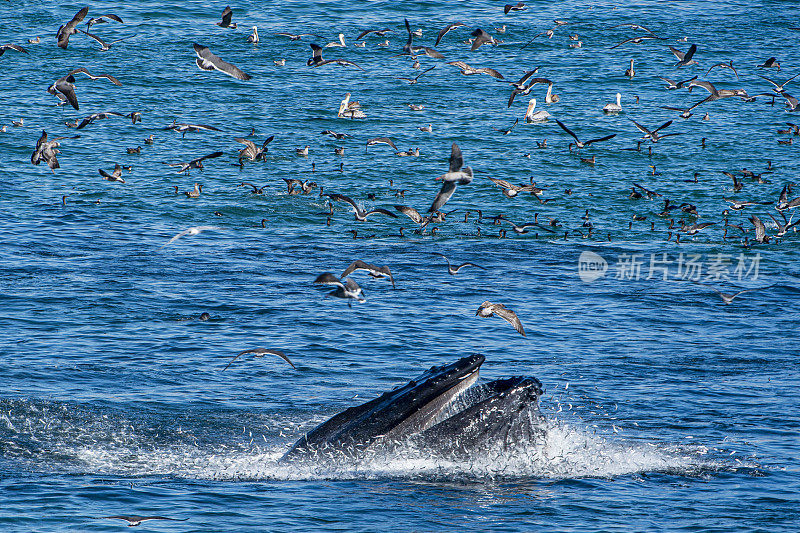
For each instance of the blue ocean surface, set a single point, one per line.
(665, 409)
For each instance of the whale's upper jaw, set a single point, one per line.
(406, 410)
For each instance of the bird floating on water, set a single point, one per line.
(614, 108)
(535, 116)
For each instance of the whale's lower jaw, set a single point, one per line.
(433, 411)
(498, 415)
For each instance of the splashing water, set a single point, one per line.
(76, 441)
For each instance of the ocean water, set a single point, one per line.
(665, 410)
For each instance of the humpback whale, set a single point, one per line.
(437, 411)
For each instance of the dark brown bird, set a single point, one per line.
(4, 47)
(134, 520)
(488, 309)
(70, 28)
(64, 88)
(374, 271)
(519, 6)
(116, 174)
(194, 163)
(227, 14)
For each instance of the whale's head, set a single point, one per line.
(404, 411)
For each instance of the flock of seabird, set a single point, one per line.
(65, 90)
(47, 149)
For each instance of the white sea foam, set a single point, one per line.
(564, 452)
(558, 449)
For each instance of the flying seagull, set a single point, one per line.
(685, 59)
(317, 61)
(786, 226)
(296, 37)
(488, 309)
(105, 46)
(653, 135)
(251, 151)
(519, 6)
(134, 520)
(261, 352)
(380, 33)
(102, 19)
(409, 49)
(412, 81)
(184, 128)
(97, 116)
(728, 65)
(578, 144)
(194, 163)
(116, 175)
(47, 150)
(728, 298)
(760, 229)
(64, 88)
(635, 40)
(520, 87)
(360, 214)
(783, 200)
(548, 33)
(206, 60)
(481, 37)
(372, 270)
(446, 29)
(413, 214)
(454, 175)
(467, 70)
(227, 14)
(348, 289)
(672, 85)
(196, 230)
(70, 28)
(15, 47)
(778, 88)
(381, 140)
(453, 270)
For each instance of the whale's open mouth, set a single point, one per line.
(427, 407)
